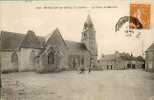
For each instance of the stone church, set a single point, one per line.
(29, 52)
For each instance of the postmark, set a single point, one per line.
(138, 20)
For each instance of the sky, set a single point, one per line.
(44, 17)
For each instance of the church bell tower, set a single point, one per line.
(89, 39)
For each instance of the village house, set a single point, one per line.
(29, 52)
(120, 61)
(149, 58)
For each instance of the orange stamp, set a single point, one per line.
(142, 13)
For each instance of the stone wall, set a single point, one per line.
(6, 63)
(26, 59)
(149, 61)
(80, 56)
(120, 64)
(43, 65)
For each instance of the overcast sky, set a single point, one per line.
(21, 17)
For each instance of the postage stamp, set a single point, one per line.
(142, 13)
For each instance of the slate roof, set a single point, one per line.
(30, 41)
(88, 20)
(12, 40)
(127, 57)
(109, 57)
(151, 47)
(45, 40)
(140, 58)
(122, 56)
(42, 40)
(76, 46)
(54, 34)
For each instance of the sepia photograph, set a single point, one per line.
(77, 50)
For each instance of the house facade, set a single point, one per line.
(120, 61)
(149, 58)
(28, 52)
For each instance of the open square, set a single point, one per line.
(70, 85)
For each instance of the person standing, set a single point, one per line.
(89, 70)
(91, 65)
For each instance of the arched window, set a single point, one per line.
(14, 58)
(51, 58)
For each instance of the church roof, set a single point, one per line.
(42, 40)
(55, 35)
(88, 20)
(76, 46)
(12, 40)
(30, 41)
(151, 47)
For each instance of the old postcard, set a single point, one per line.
(77, 49)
